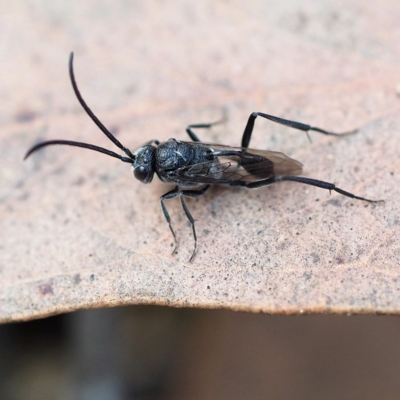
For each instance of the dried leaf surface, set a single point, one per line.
(77, 231)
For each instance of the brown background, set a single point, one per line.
(77, 231)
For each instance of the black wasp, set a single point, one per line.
(190, 164)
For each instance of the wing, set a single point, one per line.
(235, 166)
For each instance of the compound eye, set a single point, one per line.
(140, 173)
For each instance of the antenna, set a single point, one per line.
(93, 117)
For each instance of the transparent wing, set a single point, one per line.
(242, 166)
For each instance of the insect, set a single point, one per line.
(195, 166)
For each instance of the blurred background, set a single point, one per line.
(185, 59)
(147, 352)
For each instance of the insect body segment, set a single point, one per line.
(143, 163)
(173, 157)
(196, 165)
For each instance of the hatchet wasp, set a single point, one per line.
(194, 166)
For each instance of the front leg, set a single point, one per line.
(192, 193)
(170, 195)
(189, 193)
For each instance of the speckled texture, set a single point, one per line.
(77, 231)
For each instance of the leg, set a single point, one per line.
(193, 136)
(292, 124)
(307, 181)
(173, 193)
(192, 193)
